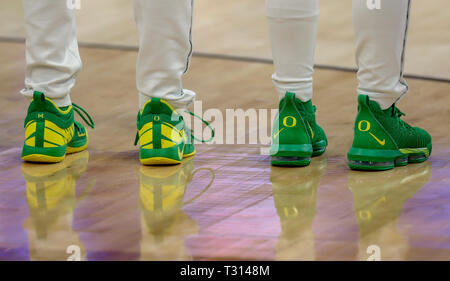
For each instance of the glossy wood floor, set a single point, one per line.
(227, 202)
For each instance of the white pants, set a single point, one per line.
(380, 37)
(165, 47)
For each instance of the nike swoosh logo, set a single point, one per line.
(276, 135)
(382, 142)
(312, 133)
(180, 153)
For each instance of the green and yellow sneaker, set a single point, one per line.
(296, 136)
(163, 136)
(382, 140)
(51, 132)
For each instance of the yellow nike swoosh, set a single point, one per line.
(180, 153)
(382, 142)
(312, 133)
(276, 135)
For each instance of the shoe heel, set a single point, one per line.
(43, 154)
(162, 156)
(291, 154)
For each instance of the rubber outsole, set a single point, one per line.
(190, 154)
(41, 158)
(71, 150)
(159, 161)
(287, 161)
(382, 160)
(44, 155)
(294, 155)
(75, 147)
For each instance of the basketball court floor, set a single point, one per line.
(227, 203)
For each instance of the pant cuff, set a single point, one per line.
(385, 100)
(177, 101)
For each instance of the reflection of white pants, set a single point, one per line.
(380, 36)
(165, 48)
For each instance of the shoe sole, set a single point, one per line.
(159, 161)
(381, 160)
(163, 160)
(297, 155)
(42, 158)
(162, 156)
(319, 148)
(74, 149)
(43, 154)
(71, 150)
(190, 154)
(49, 155)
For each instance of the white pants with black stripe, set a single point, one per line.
(165, 47)
(380, 37)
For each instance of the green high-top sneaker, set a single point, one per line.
(296, 136)
(382, 140)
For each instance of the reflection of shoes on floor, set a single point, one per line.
(162, 192)
(51, 132)
(378, 202)
(296, 136)
(51, 201)
(162, 195)
(77, 164)
(294, 193)
(382, 140)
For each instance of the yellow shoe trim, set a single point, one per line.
(70, 150)
(159, 161)
(415, 150)
(30, 141)
(76, 149)
(30, 128)
(42, 158)
(190, 154)
(59, 109)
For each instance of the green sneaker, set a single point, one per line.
(382, 140)
(164, 138)
(51, 132)
(296, 136)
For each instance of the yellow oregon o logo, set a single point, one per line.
(367, 125)
(289, 212)
(365, 215)
(293, 123)
(156, 118)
